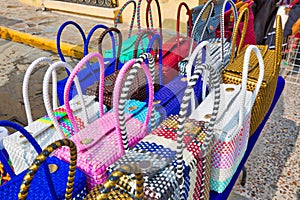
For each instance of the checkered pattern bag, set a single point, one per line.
(20, 151)
(103, 142)
(232, 126)
(175, 157)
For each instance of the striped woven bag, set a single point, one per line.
(175, 157)
(233, 123)
(53, 170)
(101, 143)
(20, 151)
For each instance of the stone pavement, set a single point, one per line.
(274, 165)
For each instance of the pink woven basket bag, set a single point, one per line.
(101, 143)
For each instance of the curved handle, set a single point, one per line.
(138, 40)
(41, 158)
(25, 86)
(101, 192)
(109, 30)
(49, 110)
(159, 16)
(207, 144)
(209, 4)
(278, 40)
(139, 15)
(132, 18)
(244, 13)
(119, 97)
(257, 52)
(71, 78)
(193, 59)
(235, 13)
(37, 148)
(156, 37)
(190, 22)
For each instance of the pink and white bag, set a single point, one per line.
(101, 143)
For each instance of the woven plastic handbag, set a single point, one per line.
(53, 170)
(20, 151)
(112, 68)
(220, 49)
(101, 143)
(232, 125)
(175, 156)
(128, 44)
(117, 183)
(272, 59)
(87, 76)
(249, 35)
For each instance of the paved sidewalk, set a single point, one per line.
(274, 165)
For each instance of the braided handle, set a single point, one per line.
(71, 78)
(209, 4)
(59, 32)
(139, 15)
(159, 16)
(49, 110)
(132, 18)
(138, 40)
(244, 13)
(100, 40)
(207, 144)
(25, 86)
(120, 99)
(278, 40)
(41, 158)
(102, 192)
(156, 37)
(37, 148)
(190, 22)
(235, 13)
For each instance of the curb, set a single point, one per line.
(40, 42)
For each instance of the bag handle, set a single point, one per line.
(73, 74)
(100, 40)
(208, 142)
(278, 40)
(209, 4)
(89, 36)
(132, 18)
(46, 98)
(244, 13)
(101, 192)
(119, 96)
(199, 48)
(156, 37)
(235, 13)
(159, 16)
(138, 40)
(25, 86)
(139, 15)
(42, 158)
(37, 148)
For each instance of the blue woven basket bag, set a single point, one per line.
(53, 169)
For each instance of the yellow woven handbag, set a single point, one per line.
(272, 59)
(117, 185)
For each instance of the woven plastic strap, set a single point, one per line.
(244, 14)
(35, 145)
(278, 39)
(72, 76)
(47, 103)
(205, 75)
(39, 161)
(190, 23)
(100, 40)
(138, 40)
(159, 16)
(119, 97)
(139, 15)
(156, 37)
(102, 192)
(132, 18)
(208, 4)
(25, 86)
(91, 33)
